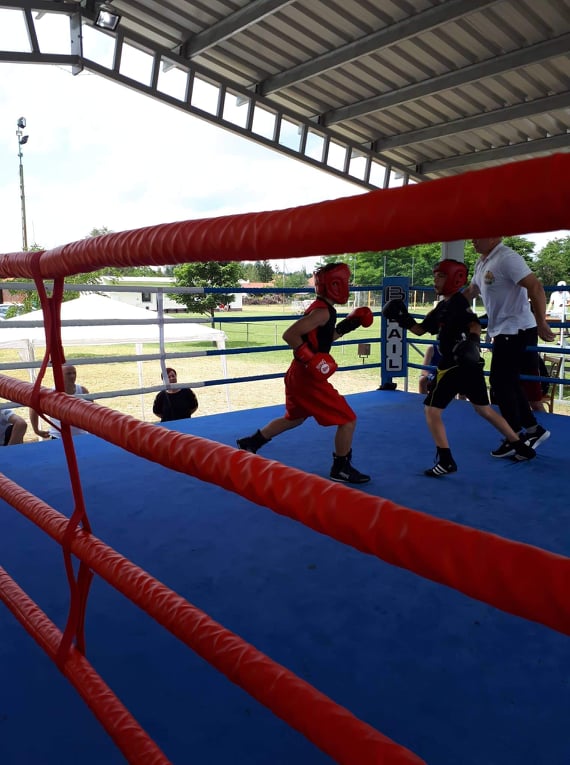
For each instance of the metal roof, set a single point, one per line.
(377, 91)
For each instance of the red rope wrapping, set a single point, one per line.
(121, 726)
(512, 576)
(328, 725)
(518, 197)
(78, 586)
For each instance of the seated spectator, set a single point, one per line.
(174, 403)
(73, 389)
(12, 428)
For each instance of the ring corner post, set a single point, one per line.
(393, 345)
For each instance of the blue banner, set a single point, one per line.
(394, 348)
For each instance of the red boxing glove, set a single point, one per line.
(320, 365)
(360, 317)
(303, 353)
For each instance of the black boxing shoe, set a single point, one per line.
(441, 468)
(343, 471)
(252, 443)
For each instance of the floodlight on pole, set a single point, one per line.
(22, 141)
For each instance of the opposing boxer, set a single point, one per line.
(460, 368)
(308, 392)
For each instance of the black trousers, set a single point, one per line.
(8, 433)
(509, 361)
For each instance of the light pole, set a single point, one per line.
(22, 140)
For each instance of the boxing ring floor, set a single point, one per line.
(452, 679)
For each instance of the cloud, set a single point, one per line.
(102, 155)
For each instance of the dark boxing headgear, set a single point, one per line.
(456, 275)
(331, 282)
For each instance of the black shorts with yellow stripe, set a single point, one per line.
(467, 379)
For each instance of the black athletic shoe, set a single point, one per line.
(252, 443)
(539, 436)
(343, 471)
(505, 449)
(349, 475)
(247, 445)
(523, 451)
(441, 468)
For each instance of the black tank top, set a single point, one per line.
(321, 339)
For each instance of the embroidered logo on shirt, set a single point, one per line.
(489, 277)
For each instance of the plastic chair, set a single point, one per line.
(553, 365)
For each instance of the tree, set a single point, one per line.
(523, 246)
(264, 271)
(293, 280)
(296, 279)
(553, 262)
(416, 262)
(212, 274)
(249, 272)
(258, 271)
(99, 232)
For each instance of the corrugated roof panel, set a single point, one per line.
(430, 78)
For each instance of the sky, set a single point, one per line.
(99, 154)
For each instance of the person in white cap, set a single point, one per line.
(557, 307)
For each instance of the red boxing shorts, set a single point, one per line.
(306, 396)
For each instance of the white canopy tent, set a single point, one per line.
(95, 320)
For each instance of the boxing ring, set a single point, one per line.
(369, 664)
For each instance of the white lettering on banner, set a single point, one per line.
(394, 347)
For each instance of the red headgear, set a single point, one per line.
(456, 275)
(331, 281)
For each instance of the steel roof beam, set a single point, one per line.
(57, 59)
(559, 46)
(236, 22)
(474, 122)
(44, 6)
(402, 30)
(304, 124)
(539, 145)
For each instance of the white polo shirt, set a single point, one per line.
(505, 301)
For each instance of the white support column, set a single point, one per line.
(453, 250)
